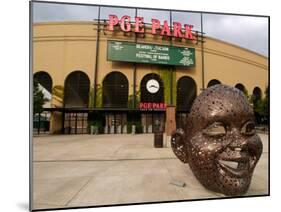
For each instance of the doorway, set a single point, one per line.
(153, 122)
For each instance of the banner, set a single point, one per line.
(149, 53)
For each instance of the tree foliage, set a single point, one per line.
(38, 98)
(261, 105)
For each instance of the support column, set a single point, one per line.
(170, 120)
(135, 71)
(97, 59)
(56, 122)
(170, 125)
(202, 55)
(171, 86)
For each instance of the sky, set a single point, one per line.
(245, 31)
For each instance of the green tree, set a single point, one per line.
(38, 98)
(262, 105)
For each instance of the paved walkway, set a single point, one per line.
(87, 170)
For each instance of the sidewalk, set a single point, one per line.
(87, 170)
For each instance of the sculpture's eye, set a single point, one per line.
(248, 128)
(217, 129)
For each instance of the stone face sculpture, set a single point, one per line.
(219, 140)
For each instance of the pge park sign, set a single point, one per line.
(152, 106)
(179, 30)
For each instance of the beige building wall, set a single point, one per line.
(60, 48)
(194, 72)
(105, 66)
(231, 64)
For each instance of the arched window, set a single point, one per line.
(44, 79)
(257, 93)
(257, 96)
(213, 82)
(152, 88)
(241, 87)
(115, 89)
(76, 90)
(186, 93)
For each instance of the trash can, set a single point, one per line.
(67, 130)
(158, 140)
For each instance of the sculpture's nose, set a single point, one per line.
(237, 141)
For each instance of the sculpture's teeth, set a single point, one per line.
(231, 164)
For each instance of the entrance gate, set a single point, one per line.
(181, 119)
(76, 123)
(115, 123)
(41, 122)
(153, 122)
(104, 121)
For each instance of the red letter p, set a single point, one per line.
(113, 21)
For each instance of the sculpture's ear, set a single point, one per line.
(178, 145)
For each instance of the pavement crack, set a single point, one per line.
(117, 150)
(171, 177)
(103, 160)
(76, 194)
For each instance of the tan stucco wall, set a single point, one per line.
(61, 48)
(105, 67)
(231, 65)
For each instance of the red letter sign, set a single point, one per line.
(188, 33)
(125, 26)
(113, 21)
(177, 30)
(155, 26)
(166, 29)
(139, 24)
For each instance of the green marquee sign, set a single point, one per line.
(150, 53)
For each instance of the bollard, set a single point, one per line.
(92, 130)
(133, 129)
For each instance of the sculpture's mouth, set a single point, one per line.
(238, 167)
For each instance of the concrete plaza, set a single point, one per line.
(88, 170)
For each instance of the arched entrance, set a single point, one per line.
(44, 79)
(186, 93)
(41, 121)
(76, 97)
(213, 82)
(257, 93)
(152, 93)
(152, 88)
(76, 90)
(115, 90)
(256, 98)
(241, 87)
